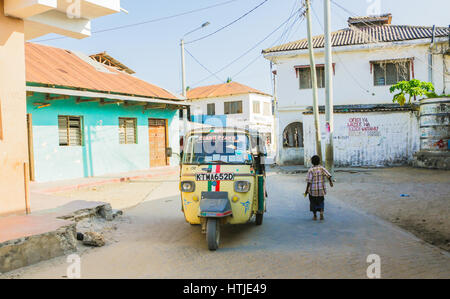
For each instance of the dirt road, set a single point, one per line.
(154, 241)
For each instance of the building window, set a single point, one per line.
(211, 109)
(127, 130)
(293, 135)
(304, 75)
(256, 107)
(70, 130)
(233, 107)
(390, 73)
(267, 109)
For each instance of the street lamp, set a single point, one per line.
(183, 72)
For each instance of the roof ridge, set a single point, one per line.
(283, 47)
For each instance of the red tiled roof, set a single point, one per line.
(221, 90)
(365, 35)
(54, 66)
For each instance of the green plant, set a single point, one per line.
(413, 88)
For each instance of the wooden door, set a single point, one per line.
(157, 133)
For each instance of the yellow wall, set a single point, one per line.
(13, 145)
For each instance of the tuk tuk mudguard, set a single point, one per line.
(215, 205)
(261, 194)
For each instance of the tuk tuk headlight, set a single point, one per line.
(242, 186)
(187, 186)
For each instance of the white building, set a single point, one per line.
(368, 58)
(234, 105)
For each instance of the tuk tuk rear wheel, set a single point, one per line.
(213, 233)
(259, 219)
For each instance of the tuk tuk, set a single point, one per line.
(222, 180)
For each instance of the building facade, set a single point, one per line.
(21, 20)
(95, 119)
(368, 58)
(234, 105)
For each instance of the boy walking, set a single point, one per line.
(316, 187)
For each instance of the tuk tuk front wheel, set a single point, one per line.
(213, 233)
(259, 219)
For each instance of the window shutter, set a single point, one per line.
(305, 78)
(62, 131)
(75, 131)
(391, 74)
(127, 131)
(130, 131)
(378, 71)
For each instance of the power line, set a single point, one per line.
(149, 21)
(229, 24)
(248, 51)
(337, 56)
(196, 60)
(277, 41)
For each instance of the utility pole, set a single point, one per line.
(329, 125)
(183, 78)
(275, 113)
(183, 69)
(313, 81)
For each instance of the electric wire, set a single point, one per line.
(148, 21)
(228, 25)
(246, 52)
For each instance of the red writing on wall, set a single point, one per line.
(358, 126)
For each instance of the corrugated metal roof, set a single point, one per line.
(221, 90)
(54, 66)
(107, 59)
(365, 35)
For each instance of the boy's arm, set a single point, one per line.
(308, 181)
(328, 175)
(307, 188)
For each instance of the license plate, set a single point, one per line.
(214, 177)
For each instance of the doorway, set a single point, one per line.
(157, 134)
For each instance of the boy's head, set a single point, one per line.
(315, 160)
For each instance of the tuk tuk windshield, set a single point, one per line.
(214, 148)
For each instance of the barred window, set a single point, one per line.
(390, 73)
(70, 130)
(211, 109)
(305, 77)
(127, 130)
(233, 107)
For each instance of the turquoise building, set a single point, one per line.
(88, 116)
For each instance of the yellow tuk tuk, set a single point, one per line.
(222, 179)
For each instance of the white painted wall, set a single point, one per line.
(353, 81)
(288, 155)
(392, 139)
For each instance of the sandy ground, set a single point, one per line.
(425, 212)
(152, 240)
(119, 195)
